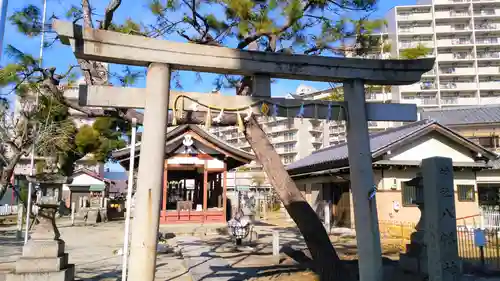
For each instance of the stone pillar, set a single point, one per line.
(19, 229)
(164, 196)
(443, 262)
(43, 256)
(361, 175)
(73, 209)
(224, 192)
(205, 187)
(327, 214)
(149, 183)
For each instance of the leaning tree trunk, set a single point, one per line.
(326, 260)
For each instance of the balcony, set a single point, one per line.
(488, 70)
(455, 56)
(280, 139)
(488, 55)
(486, 26)
(457, 86)
(450, 1)
(406, 45)
(417, 87)
(486, 12)
(415, 30)
(453, 14)
(457, 71)
(489, 85)
(458, 100)
(487, 41)
(490, 100)
(431, 101)
(414, 16)
(316, 140)
(453, 42)
(452, 28)
(317, 128)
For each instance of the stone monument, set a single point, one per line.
(443, 262)
(43, 257)
(433, 250)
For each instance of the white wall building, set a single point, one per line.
(464, 37)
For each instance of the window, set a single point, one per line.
(466, 193)
(289, 147)
(409, 194)
(288, 159)
(289, 136)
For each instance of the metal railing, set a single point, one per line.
(487, 258)
(490, 219)
(6, 210)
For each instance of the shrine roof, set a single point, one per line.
(336, 156)
(175, 135)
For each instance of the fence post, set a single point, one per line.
(276, 246)
(481, 212)
(327, 217)
(496, 233)
(19, 228)
(73, 209)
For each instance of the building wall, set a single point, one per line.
(458, 36)
(432, 145)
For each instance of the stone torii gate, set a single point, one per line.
(161, 57)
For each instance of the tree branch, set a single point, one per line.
(87, 14)
(108, 16)
(291, 21)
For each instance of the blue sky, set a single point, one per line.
(61, 56)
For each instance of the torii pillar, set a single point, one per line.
(145, 235)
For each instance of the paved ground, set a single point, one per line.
(94, 250)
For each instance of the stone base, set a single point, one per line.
(25, 264)
(67, 274)
(413, 264)
(43, 249)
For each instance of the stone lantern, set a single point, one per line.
(415, 258)
(43, 257)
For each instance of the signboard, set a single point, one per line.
(242, 188)
(479, 238)
(186, 160)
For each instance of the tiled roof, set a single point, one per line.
(379, 142)
(464, 115)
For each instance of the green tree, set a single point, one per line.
(418, 51)
(313, 27)
(46, 122)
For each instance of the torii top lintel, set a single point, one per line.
(114, 47)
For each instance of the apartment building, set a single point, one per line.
(464, 36)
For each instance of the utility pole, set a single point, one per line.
(3, 22)
(129, 200)
(32, 156)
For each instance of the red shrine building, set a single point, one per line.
(195, 175)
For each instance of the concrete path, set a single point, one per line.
(203, 264)
(94, 251)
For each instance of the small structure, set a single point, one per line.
(396, 155)
(195, 175)
(43, 257)
(85, 184)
